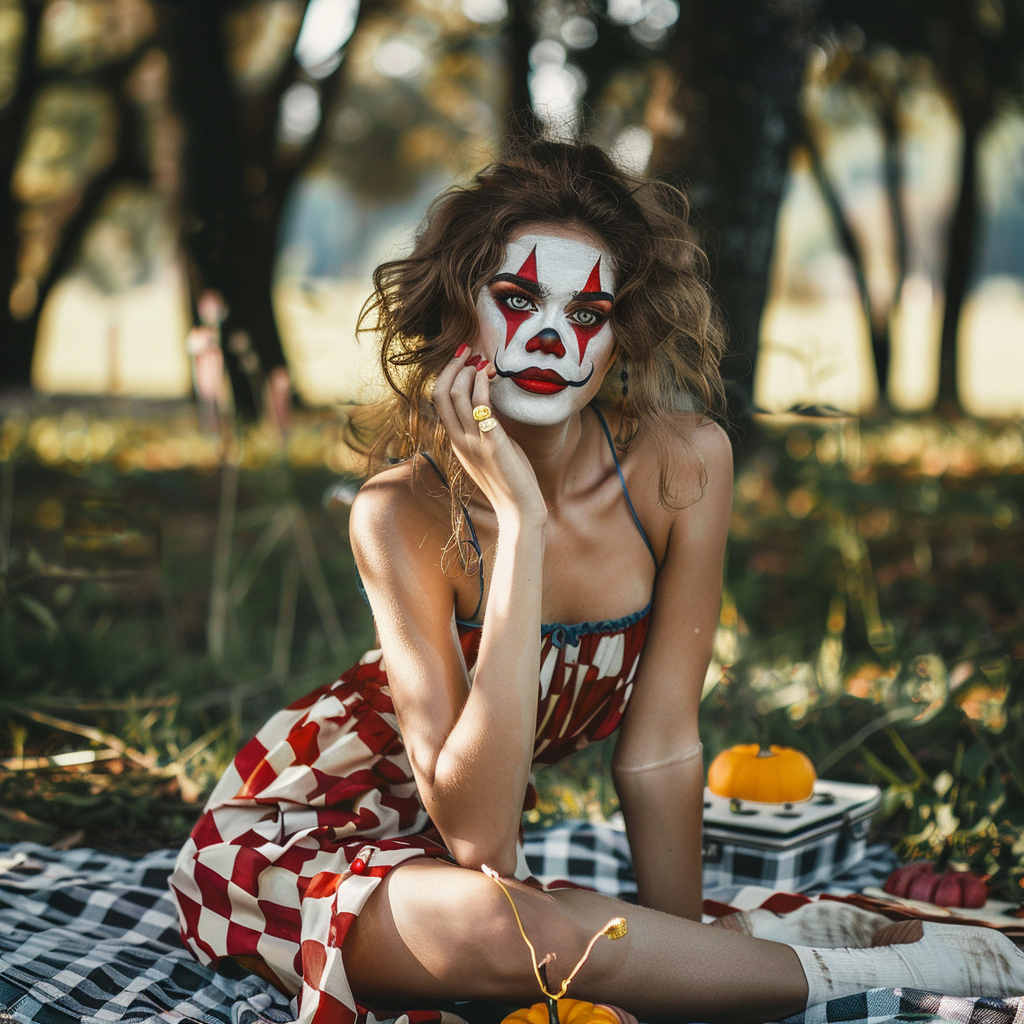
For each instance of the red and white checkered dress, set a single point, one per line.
(322, 803)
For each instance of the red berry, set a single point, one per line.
(892, 883)
(358, 866)
(950, 889)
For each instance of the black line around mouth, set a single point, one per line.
(568, 383)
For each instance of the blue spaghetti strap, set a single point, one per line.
(622, 480)
(474, 543)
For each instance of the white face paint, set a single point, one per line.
(544, 325)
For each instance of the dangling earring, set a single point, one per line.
(620, 436)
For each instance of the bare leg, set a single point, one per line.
(445, 932)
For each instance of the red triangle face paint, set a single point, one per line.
(514, 318)
(528, 271)
(594, 281)
(584, 334)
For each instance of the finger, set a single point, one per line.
(482, 394)
(441, 394)
(462, 393)
(444, 379)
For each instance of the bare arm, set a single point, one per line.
(661, 789)
(470, 746)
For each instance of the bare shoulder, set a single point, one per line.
(707, 501)
(711, 442)
(700, 455)
(396, 510)
(695, 456)
(694, 459)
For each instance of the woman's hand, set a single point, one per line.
(493, 460)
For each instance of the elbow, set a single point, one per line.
(477, 855)
(478, 831)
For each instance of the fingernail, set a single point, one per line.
(492, 372)
(473, 361)
(461, 351)
(481, 365)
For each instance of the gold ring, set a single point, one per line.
(481, 412)
(488, 424)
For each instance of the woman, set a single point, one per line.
(552, 486)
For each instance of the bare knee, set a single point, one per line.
(450, 933)
(463, 928)
(493, 943)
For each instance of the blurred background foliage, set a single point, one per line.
(155, 612)
(193, 195)
(854, 168)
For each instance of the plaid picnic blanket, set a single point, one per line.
(597, 856)
(85, 936)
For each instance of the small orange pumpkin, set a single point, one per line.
(571, 1011)
(778, 775)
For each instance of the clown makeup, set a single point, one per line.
(544, 325)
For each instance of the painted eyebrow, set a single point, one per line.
(525, 283)
(535, 289)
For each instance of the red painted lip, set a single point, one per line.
(538, 387)
(540, 382)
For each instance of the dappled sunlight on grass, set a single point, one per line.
(873, 617)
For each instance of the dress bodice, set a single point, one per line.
(586, 676)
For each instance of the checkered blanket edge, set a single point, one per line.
(89, 937)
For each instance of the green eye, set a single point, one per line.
(585, 317)
(519, 302)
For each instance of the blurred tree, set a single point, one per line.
(69, 131)
(738, 70)
(977, 50)
(257, 89)
(240, 118)
(876, 80)
(235, 174)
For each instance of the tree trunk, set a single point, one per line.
(16, 335)
(235, 188)
(877, 326)
(959, 261)
(519, 122)
(892, 175)
(739, 69)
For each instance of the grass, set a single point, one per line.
(156, 610)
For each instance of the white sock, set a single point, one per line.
(819, 923)
(951, 960)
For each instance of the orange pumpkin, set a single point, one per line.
(778, 775)
(571, 1011)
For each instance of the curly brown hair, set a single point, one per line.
(667, 330)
